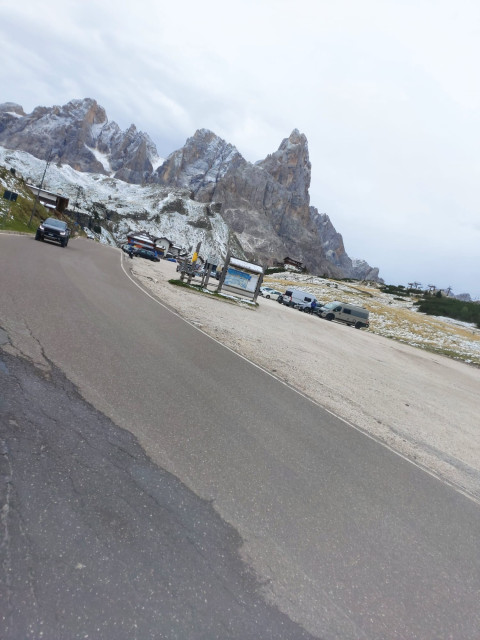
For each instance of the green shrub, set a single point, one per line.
(395, 290)
(450, 308)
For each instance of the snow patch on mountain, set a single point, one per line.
(103, 158)
(121, 207)
(156, 162)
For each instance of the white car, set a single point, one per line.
(271, 294)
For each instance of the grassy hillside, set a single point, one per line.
(15, 216)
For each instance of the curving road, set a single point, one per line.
(159, 486)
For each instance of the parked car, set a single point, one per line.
(264, 290)
(53, 229)
(147, 254)
(126, 247)
(316, 311)
(272, 294)
(299, 299)
(343, 312)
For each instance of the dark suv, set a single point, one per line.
(147, 254)
(53, 229)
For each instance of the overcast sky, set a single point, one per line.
(386, 92)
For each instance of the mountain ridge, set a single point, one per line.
(266, 205)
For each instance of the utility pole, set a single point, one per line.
(38, 189)
(75, 204)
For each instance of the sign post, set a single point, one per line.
(191, 270)
(211, 263)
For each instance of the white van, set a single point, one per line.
(344, 312)
(298, 298)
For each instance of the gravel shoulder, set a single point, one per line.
(424, 406)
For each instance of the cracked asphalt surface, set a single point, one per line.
(185, 493)
(98, 542)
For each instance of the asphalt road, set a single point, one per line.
(182, 492)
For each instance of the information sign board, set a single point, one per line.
(241, 280)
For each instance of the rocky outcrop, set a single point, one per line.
(265, 204)
(11, 109)
(334, 249)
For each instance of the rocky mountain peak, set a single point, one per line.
(266, 204)
(86, 110)
(79, 134)
(290, 166)
(199, 164)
